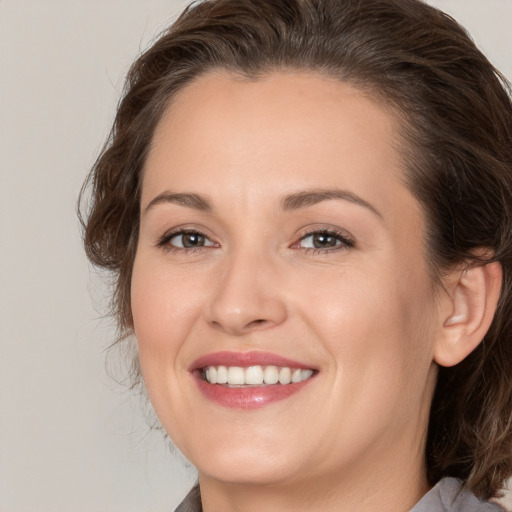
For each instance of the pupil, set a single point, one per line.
(323, 240)
(193, 240)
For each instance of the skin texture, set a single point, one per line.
(363, 314)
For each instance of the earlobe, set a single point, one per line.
(473, 295)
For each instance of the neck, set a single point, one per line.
(390, 487)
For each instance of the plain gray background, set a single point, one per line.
(71, 440)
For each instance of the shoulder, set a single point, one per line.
(192, 501)
(447, 496)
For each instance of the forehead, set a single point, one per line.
(243, 139)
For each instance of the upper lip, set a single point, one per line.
(245, 359)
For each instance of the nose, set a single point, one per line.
(247, 295)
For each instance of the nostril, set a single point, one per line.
(256, 322)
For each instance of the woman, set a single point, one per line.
(307, 205)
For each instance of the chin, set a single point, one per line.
(246, 470)
(245, 460)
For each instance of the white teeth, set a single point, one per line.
(271, 375)
(222, 375)
(211, 374)
(285, 376)
(305, 374)
(296, 375)
(255, 375)
(236, 376)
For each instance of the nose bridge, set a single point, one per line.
(246, 295)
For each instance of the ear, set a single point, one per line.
(467, 311)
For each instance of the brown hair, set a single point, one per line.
(457, 118)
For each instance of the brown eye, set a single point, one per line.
(324, 240)
(189, 240)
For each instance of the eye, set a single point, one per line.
(186, 239)
(324, 240)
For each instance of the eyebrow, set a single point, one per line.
(195, 201)
(294, 201)
(307, 198)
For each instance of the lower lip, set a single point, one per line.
(249, 397)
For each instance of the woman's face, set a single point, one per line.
(278, 241)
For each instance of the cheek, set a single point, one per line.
(378, 330)
(164, 307)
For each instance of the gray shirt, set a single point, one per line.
(445, 496)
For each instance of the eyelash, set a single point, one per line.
(164, 241)
(345, 242)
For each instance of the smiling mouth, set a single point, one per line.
(254, 376)
(250, 380)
